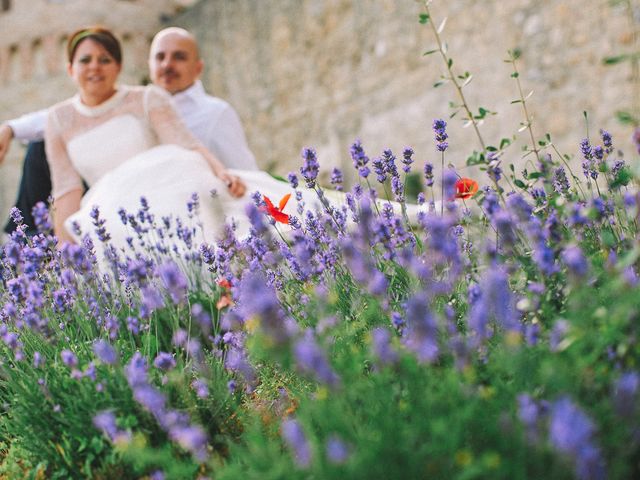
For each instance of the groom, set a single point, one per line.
(175, 65)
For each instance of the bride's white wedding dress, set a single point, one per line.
(135, 145)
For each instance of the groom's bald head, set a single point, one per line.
(174, 59)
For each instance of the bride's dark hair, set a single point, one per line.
(97, 33)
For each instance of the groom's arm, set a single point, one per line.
(27, 128)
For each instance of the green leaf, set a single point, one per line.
(429, 52)
(476, 158)
(519, 183)
(438, 84)
(515, 75)
(535, 175)
(450, 62)
(627, 118)
(505, 142)
(615, 59)
(622, 179)
(516, 101)
(424, 18)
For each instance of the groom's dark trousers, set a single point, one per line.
(35, 186)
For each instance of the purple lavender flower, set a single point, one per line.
(311, 358)
(428, 174)
(192, 438)
(16, 216)
(585, 148)
(293, 180)
(607, 141)
(626, 394)
(407, 159)
(105, 421)
(337, 450)
(40, 214)
(381, 346)
(618, 166)
(598, 153)
(260, 300)
(360, 159)
(557, 335)
(164, 361)
(296, 440)
(389, 160)
(69, 358)
(99, 223)
(529, 414)
(493, 167)
(575, 261)
(105, 352)
(504, 226)
(136, 370)
(337, 179)
(449, 179)
(133, 325)
(150, 398)
(422, 330)
(151, 300)
(571, 432)
(173, 280)
(519, 206)
(38, 361)
(237, 361)
(560, 181)
(201, 388)
(202, 317)
(310, 167)
(397, 188)
(439, 128)
(545, 258)
(379, 169)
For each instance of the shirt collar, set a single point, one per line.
(193, 93)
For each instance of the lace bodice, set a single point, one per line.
(87, 142)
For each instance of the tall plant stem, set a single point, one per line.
(449, 64)
(527, 118)
(442, 187)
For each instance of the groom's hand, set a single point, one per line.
(6, 134)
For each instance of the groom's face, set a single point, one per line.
(174, 63)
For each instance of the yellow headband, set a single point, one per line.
(80, 36)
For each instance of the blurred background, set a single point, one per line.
(322, 73)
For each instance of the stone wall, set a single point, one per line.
(324, 72)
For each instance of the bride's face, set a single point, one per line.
(94, 71)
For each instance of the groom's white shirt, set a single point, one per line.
(216, 124)
(211, 120)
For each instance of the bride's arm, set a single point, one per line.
(63, 208)
(169, 128)
(67, 188)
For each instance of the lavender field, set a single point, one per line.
(494, 334)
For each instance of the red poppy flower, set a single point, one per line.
(276, 212)
(466, 188)
(224, 283)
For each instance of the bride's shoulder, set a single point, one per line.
(61, 112)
